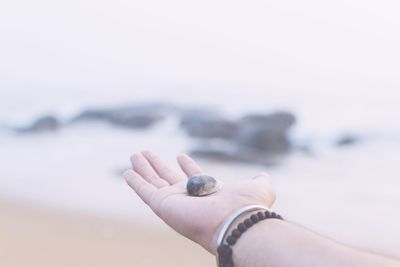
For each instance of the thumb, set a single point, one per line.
(262, 175)
(264, 181)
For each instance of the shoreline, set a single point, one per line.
(81, 210)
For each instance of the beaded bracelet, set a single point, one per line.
(224, 251)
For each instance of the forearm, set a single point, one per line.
(276, 243)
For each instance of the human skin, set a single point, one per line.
(269, 243)
(197, 218)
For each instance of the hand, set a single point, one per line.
(197, 218)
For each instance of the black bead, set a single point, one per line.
(231, 240)
(225, 260)
(224, 250)
(261, 215)
(267, 214)
(273, 215)
(254, 218)
(279, 217)
(242, 227)
(248, 222)
(236, 233)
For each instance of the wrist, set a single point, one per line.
(214, 241)
(236, 225)
(230, 222)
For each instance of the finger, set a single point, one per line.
(262, 175)
(263, 178)
(162, 168)
(188, 165)
(143, 168)
(264, 181)
(144, 189)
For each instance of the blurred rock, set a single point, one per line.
(347, 139)
(266, 139)
(43, 124)
(205, 123)
(256, 138)
(236, 154)
(267, 133)
(132, 116)
(279, 121)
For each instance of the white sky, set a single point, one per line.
(103, 51)
(283, 44)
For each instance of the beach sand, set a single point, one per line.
(64, 203)
(34, 236)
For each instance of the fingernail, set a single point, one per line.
(126, 173)
(135, 157)
(147, 152)
(183, 155)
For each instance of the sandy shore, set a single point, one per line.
(84, 214)
(32, 236)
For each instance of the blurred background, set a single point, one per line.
(308, 91)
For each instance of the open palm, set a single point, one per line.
(197, 218)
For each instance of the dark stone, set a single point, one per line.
(130, 116)
(201, 185)
(235, 153)
(206, 123)
(264, 139)
(347, 139)
(280, 121)
(254, 138)
(43, 124)
(268, 133)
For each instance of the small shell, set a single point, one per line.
(202, 185)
